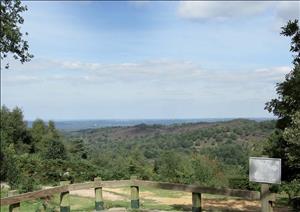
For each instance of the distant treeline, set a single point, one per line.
(204, 153)
(73, 125)
(213, 154)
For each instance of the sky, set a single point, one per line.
(150, 60)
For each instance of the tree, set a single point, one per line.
(206, 172)
(292, 136)
(11, 37)
(174, 167)
(78, 149)
(285, 140)
(292, 30)
(38, 131)
(14, 130)
(233, 154)
(12, 163)
(52, 131)
(55, 150)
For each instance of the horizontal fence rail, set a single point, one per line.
(33, 195)
(59, 189)
(134, 184)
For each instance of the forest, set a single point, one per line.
(212, 154)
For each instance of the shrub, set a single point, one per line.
(292, 189)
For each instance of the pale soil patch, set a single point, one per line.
(109, 195)
(241, 205)
(185, 199)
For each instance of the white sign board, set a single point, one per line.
(265, 170)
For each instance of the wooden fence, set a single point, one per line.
(265, 196)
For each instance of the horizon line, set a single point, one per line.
(150, 119)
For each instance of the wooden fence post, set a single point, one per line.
(135, 202)
(64, 198)
(99, 204)
(16, 206)
(196, 198)
(266, 198)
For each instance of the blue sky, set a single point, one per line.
(119, 60)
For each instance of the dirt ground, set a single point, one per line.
(182, 201)
(185, 199)
(111, 194)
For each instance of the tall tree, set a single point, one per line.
(38, 131)
(14, 130)
(286, 106)
(11, 37)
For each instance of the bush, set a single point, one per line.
(55, 150)
(243, 183)
(28, 184)
(292, 189)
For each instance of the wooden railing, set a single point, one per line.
(134, 184)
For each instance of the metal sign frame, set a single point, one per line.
(261, 159)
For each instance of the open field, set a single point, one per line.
(151, 199)
(173, 200)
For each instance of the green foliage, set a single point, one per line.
(52, 171)
(292, 137)
(14, 130)
(11, 37)
(292, 30)
(26, 154)
(38, 131)
(205, 154)
(173, 167)
(285, 141)
(55, 150)
(181, 153)
(21, 170)
(243, 183)
(137, 165)
(207, 172)
(230, 153)
(12, 164)
(292, 189)
(288, 101)
(78, 149)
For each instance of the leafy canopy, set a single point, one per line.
(11, 37)
(285, 142)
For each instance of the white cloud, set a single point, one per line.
(210, 10)
(21, 79)
(286, 11)
(163, 84)
(152, 71)
(148, 70)
(204, 10)
(274, 71)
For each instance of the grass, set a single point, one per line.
(163, 192)
(87, 204)
(282, 199)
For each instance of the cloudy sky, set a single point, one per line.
(119, 60)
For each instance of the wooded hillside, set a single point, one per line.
(174, 152)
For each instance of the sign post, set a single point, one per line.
(265, 171)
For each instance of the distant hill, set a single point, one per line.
(74, 125)
(179, 137)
